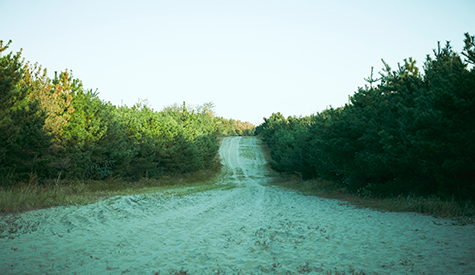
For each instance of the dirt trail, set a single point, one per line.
(254, 228)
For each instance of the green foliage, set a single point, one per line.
(412, 133)
(23, 142)
(54, 129)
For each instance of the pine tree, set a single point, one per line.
(23, 142)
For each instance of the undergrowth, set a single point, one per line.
(461, 211)
(31, 195)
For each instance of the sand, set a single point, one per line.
(254, 228)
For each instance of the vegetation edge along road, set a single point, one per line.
(61, 144)
(330, 155)
(407, 136)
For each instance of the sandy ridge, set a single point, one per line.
(253, 228)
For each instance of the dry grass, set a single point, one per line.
(29, 196)
(462, 212)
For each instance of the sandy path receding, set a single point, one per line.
(253, 228)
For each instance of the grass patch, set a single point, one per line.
(463, 212)
(28, 196)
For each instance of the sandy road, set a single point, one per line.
(254, 228)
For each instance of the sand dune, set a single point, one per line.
(254, 228)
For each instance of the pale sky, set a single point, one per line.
(251, 58)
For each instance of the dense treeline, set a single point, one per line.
(412, 133)
(57, 129)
